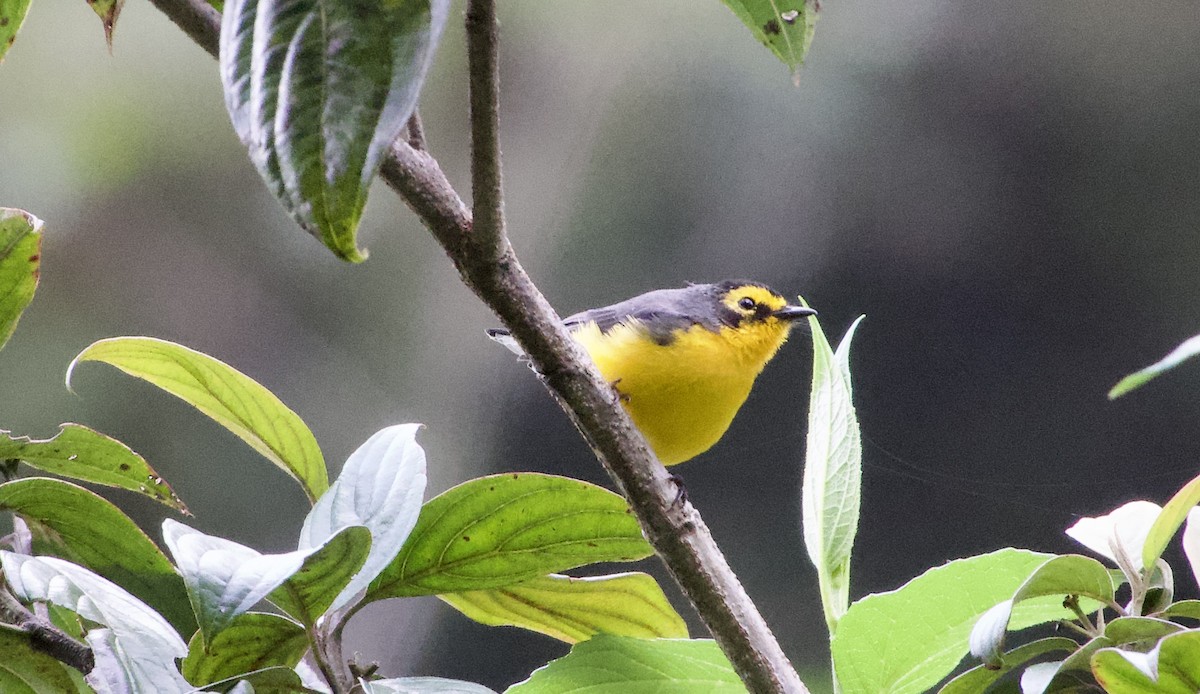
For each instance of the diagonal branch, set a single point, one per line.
(479, 248)
(44, 636)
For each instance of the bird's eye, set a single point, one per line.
(746, 303)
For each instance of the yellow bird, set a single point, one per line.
(684, 360)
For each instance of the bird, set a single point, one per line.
(683, 360)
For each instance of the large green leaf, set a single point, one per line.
(136, 650)
(1185, 351)
(20, 239)
(618, 665)
(906, 640)
(231, 398)
(253, 641)
(318, 90)
(832, 472)
(80, 526)
(380, 487)
(85, 454)
(784, 26)
(503, 529)
(225, 579)
(575, 609)
(25, 670)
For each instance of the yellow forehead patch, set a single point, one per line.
(759, 295)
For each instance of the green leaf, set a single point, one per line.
(85, 528)
(618, 665)
(1172, 516)
(107, 11)
(1171, 668)
(1185, 351)
(906, 640)
(229, 397)
(980, 677)
(12, 14)
(1182, 608)
(423, 685)
(135, 652)
(380, 487)
(1071, 574)
(832, 472)
(784, 26)
(575, 609)
(25, 670)
(1127, 630)
(271, 680)
(20, 232)
(253, 641)
(318, 90)
(225, 579)
(503, 529)
(85, 454)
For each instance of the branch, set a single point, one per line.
(44, 636)
(480, 251)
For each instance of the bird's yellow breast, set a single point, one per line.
(683, 395)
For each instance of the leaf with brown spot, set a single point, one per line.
(20, 244)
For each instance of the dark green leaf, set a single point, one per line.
(617, 665)
(978, 678)
(253, 641)
(503, 529)
(135, 652)
(784, 26)
(231, 398)
(310, 592)
(80, 526)
(575, 609)
(20, 232)
(380, 487)
(85, 454)
(25, 670)
(318, 90)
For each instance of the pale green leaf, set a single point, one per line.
(136, 650)
(1167, 524)
(784, 26)
(225, 579)
(12, 14)
(229, 397)
(318, 91)
(1185, 351)
(75, 524)
(618, 665)
(832, 472)
(85, 454)
(380, 487)
(20, 236)
(504, 529)
(575, 609)
(253, 641)
(906, 640)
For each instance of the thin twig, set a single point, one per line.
(198, 19)
(483, 63)
(487, 264)
(44, 636)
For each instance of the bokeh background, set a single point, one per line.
(1009, 191)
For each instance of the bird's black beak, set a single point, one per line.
(790, 312)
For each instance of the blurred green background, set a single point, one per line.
(1009, 191)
